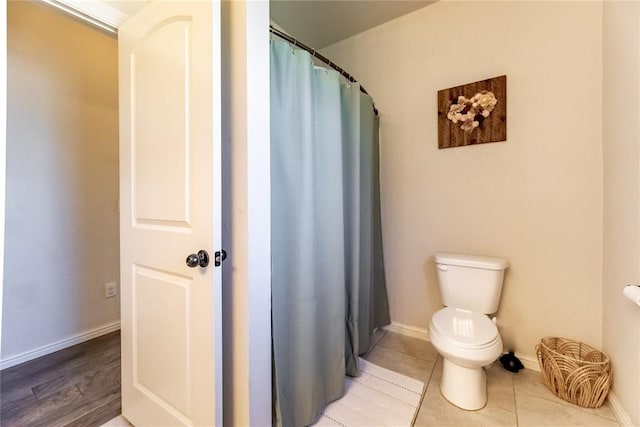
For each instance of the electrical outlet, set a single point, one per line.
(110, 289)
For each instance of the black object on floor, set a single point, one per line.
(511, 362)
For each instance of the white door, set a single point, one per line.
(170, 208)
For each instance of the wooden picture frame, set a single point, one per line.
(474, 113)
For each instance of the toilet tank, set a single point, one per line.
(470, 282)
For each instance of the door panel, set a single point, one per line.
(169, 177)
(161, 360)
(160, 77)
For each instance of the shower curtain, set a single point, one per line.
(328, 285)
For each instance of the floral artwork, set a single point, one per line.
(474, 113)
(469, 113)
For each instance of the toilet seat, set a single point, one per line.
(464, 328)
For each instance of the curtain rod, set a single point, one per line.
(322, 58)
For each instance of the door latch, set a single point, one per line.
(219, 256)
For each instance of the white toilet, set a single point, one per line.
(462, 332)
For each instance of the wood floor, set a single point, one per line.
(77, 386)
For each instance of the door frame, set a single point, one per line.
(259, 208)
(246, 213)
(3, 142)
(248, 382)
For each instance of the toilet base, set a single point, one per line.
(464, 387)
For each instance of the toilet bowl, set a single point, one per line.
(467, 341)
(462, 333)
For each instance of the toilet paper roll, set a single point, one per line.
(633, 293)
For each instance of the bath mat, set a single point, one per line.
(378, 397)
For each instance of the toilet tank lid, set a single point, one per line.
(473, 261)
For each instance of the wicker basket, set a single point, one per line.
(574, 371)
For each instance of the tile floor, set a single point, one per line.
(513, 399)
(118, 421)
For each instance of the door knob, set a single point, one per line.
(200, 259)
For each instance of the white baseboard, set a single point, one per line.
(408, 330)
(529, 362)
(59, 345)
(616, 407)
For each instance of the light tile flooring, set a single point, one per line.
(118, 421)
(513, 399)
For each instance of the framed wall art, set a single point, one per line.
(474, 113)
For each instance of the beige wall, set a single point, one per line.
(62, 179)
(621, 138)
(535, 199)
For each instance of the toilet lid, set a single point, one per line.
(466, 328)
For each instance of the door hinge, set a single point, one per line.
(219, 257)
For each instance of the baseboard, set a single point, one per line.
(616, 407)
(59, 345)
(408, 330)
(529, 362)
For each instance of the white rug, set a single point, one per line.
(378, 397)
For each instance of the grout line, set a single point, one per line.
(515, 401)
(400, 350)
(424, 390)
(415, 417)
(408, 354)
(424, 393)
(397, 350)
(370, 351)
(433, 368)
(384, 332)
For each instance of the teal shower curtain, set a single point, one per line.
(328, 285)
